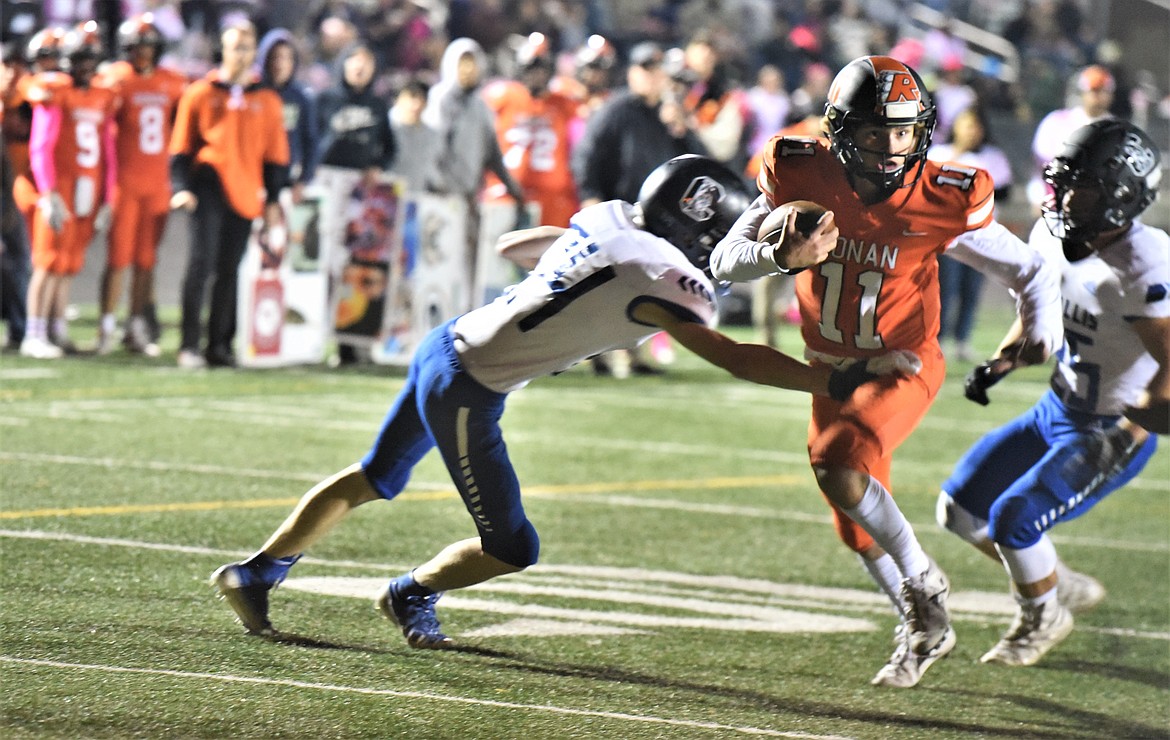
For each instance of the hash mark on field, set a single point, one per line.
(417, 695)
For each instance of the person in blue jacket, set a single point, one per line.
(278, 60)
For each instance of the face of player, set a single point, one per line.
(142, 57)
(239, 53)
(1079, 220)
(884, 148)
(83, 69)
(536, 78)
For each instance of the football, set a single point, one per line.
(807, 215)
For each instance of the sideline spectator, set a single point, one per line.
(147, 96)
(355, 132)
(769, 104)
(279, 62)
(227, 148)
(952, 95)
(353, 121)
(467, 130)
(1094, 89)
(960, 285)
(628, 137)
(716, 102)
(15, 267)
(418, 146)
(14, 263)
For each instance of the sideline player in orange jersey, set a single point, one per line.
(147, 96)
(869, 284)
(532, 124)
(43, 54)
(71, 156)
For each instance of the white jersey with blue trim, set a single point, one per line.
(577, 301)
(1103, 366)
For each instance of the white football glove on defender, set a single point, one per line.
(53, 207)
(843, 382)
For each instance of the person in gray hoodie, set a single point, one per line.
(467, 133)
(466, 125)
(278, 62)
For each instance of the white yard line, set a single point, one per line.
(416, 696)
(578, 574)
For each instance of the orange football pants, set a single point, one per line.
(61, 252)
(862, 433)
(137, 228)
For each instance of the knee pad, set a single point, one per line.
(958, 520)
(520, 548)
(1013, 523)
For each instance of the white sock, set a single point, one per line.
(884, 572)
(879, 515)
(109, 323)
(37, 328)
(1043, 598)
(60, 329)
(1030, 564)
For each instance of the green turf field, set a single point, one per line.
(690, 584)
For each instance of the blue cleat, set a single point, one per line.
(414, 614)
(247, 595)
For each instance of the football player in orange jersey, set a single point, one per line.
(71, 157)
(868, 283)
(592, 84)
(43, 54)
(147, 96)
(532, 124)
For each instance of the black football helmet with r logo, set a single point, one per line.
(879, 91)
(691, 201)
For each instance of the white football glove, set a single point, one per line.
(53, 208)
(843, 382)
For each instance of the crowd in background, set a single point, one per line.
(722, 76)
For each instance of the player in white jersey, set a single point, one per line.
(616, 276)
(1110, 391)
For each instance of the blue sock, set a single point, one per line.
(269, 569)
(407, 586)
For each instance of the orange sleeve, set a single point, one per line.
(185, 135)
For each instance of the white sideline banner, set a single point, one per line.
(428, 281)
(281, 306)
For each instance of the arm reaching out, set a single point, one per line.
(761, 364)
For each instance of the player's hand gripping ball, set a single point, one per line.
(807, 216)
